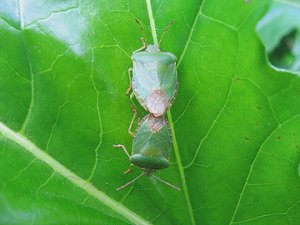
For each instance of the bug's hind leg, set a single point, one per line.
(130, 182)
(131, 123)
(124, 149)
(167, 183)
(130, 81)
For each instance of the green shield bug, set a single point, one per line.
(154, 77)
(151, 148)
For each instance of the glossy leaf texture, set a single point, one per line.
(63, 77)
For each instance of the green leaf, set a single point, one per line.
(63, 77)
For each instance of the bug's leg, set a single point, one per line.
(131, 96)
(143, 47)
(132, 120)
(130, 81)
(165, 182)
(125, 185)
(124, 149)
(129, 169)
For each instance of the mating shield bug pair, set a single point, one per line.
(154, 84)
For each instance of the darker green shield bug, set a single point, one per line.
(151, 147)
(154, 78)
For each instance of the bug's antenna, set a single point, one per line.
(125, 185)
(165, 182)
(167, 28)
(142, 29)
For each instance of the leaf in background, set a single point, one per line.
(279, 30)
(296, 53)
(63, 74)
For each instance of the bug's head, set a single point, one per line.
(152, 48)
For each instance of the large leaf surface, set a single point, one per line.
(236, 121)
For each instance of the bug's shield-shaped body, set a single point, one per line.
(152, 144)
(154, 80)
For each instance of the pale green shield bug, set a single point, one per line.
(151, 148)
(154, 77)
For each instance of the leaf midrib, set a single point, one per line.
(69, 175)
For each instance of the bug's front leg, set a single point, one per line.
(143, 47)
(130, 81)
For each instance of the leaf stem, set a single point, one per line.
(152, 22)
(169, 115)
(181, 169)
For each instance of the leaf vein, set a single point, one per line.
(99, 120)
(53, 13)
(26, 120)
(190, 34)
(254, 160)
(212, 125)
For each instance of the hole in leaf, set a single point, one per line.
(279, 31)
